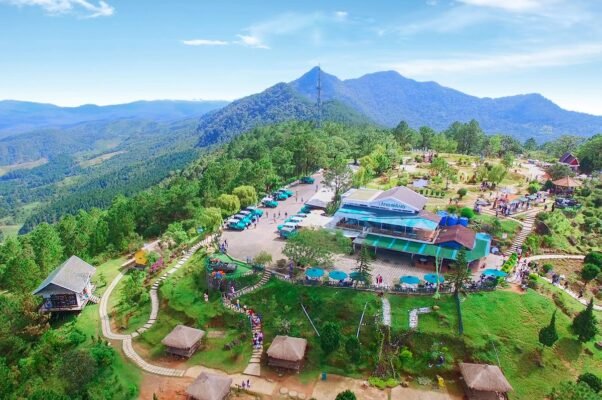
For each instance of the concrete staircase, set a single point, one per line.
(94, 299)
(527, 227)
(254, 366)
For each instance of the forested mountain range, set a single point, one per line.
(22, 116)
(386, 98)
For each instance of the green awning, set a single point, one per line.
(480, 250)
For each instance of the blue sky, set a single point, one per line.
(71, 52)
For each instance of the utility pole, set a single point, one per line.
(319, 87)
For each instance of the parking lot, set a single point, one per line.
(264, 235)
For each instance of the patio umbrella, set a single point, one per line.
(432, 278)
(410, 280)
(314, 272)
(356, 276)
(337, 275)
(495, 272)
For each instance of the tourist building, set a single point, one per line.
(395, 220)
(69, 287)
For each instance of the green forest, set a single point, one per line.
(197, 196)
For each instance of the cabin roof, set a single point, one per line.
(287, 348)
(405, 195)
(183, 337)
(209, 386)
(459, 234)
(484, 377)
(72, 275)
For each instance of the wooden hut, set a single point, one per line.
(287, 352)
(209, 387)
(484, 382)
(183, 341)
(68, 287)
(565, 185)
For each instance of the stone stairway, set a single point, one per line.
(254, 366)
(527, 227)
(264, 279)
(94, 299)
(386, 312)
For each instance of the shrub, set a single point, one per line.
(462, 192)
(467, 212)
(405, 355)
(591, 380)
(330, 339)
(589, 272)
(346, 395)
(594, 258)
(547, 267)
(352, 348)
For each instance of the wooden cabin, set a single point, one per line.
(484, 382)
(183, 341)
(209, 387)
(68, 287)
(287, 352)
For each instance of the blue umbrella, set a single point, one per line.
(356, 276)
(410, 280)
(495, 272)
(432, 278)
(337, 275)
(314, 272)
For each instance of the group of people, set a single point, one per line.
(379, 280)
(223, 247)
(257, 339)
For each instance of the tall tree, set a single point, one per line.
(364, 261)
(47, 246)
(585, 325)
(338, 177)
(548, 335)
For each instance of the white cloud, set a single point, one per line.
(205, 42)
(508, 5)
(569, 55)
(252, 41)
(84, 8)
(341, 15)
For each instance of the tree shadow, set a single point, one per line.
(569, 348)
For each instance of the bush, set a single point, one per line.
(346, 395)
(594, 258)
(593, 381)
(589, 272)
(462, 192)
(330, 339)
(547, 267)
(467, 212)
(352, 348)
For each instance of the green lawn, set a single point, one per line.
(182, 303)
(105, 273)
(10, 230)
(506, 324)
(280, 304)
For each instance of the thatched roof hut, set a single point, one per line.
(484, 381)
(183, 340)
(287, 352)
(209, 387)
(566, 182)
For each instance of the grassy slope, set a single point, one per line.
(182, 303)
(511, 321)
(282, 300)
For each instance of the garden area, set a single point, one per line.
(336, 315)
(226, 344)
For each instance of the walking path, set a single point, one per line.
(562, 257)
(254, 366)
(126, 340)
(386, 312)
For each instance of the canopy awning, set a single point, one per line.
(495, 272)
(481, 248)
(433, 278)
(410, 280)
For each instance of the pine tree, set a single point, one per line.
(363, 264)
(585, 324)
(548, 335)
